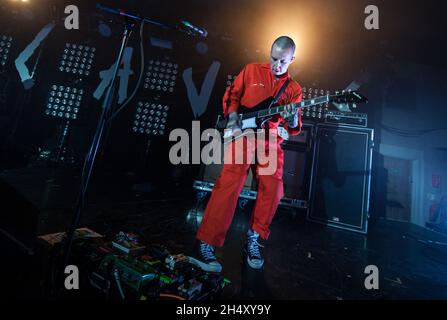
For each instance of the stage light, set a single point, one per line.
(5, 45)
(64, 102)
(315, 112)
(150, 118)
(77, 59)
(161, 76)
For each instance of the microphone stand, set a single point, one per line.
(97, 139)
(102, 124)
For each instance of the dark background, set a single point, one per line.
(401, 67)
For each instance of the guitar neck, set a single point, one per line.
(276, 110)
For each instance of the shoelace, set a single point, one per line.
(253, 245)
(207, 251)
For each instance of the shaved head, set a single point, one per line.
(282, 55)
(285, 43)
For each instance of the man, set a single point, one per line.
(254, 84)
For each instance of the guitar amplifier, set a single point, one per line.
(346, 118)
(297, 165)
(302, 141)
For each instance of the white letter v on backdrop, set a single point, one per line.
(200, 102)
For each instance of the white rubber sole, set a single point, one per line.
(215, 267)
(256, 264)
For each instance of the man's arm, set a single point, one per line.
(293, 123)
(233, 94)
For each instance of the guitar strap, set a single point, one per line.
(280, 92)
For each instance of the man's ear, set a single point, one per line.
(293, 59)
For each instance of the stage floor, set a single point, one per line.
(303, 260)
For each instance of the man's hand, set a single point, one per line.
(233, 121)
(291, 116)
(233, 127)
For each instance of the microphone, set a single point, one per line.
(191, 29)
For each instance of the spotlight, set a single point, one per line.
(18, 0)
(150, 118)
(161, 76)
(315, 112)
(64, 102)
(77, 59)
(5, 45)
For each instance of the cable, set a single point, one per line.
(88, 156)
(167, 295)
(95, 145)
(139, 78)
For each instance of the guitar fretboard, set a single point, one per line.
(299, 105)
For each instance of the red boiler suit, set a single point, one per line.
(254, 84)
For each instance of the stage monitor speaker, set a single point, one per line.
(18, 218)
(341, 177)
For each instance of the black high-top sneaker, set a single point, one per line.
(252, 249)
(203, 257)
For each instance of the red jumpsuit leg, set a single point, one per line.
(220, 209)
(270, 192)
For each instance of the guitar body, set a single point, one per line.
(248, 118)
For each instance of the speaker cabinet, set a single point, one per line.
(298, 163)
(341, 177)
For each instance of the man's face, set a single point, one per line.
(280, 59)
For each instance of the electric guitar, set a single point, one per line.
(254, 118)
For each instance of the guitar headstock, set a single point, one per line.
(348, 97)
